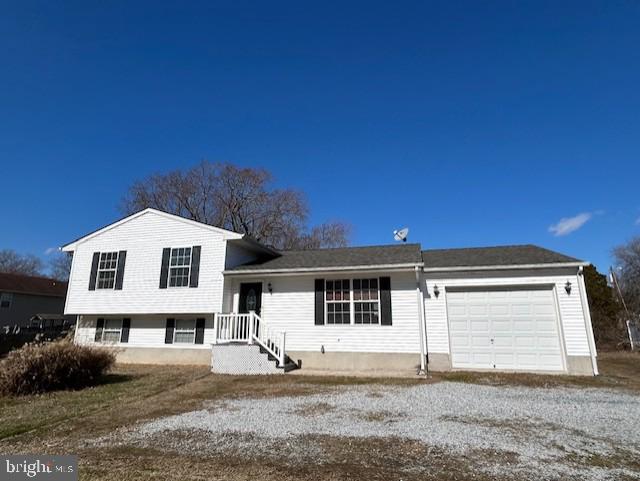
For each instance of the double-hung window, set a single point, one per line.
(107, 270)
(338, 299)
(366, 301)
(112, 331)
(180, 267)
(185, 331)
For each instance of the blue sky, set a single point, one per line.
(473, 123)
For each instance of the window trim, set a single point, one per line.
(367, 301)
(352, 302)
(104, 330)
(115, 270)
(188, 267)
(175, 331)
(327, 302)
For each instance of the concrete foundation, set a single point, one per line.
(579, 365)
(439, 362)
(164, 355)
(369, 362)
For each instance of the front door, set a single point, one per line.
(250, 297)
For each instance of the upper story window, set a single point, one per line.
(5, 300)
(337, 298)
(107, 268)
(366, 301)
(180, 267)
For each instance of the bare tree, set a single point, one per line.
(239, 199)
(13, 263)
(627, 258)
(60, 266)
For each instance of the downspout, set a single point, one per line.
(424, 368)
(582, 288)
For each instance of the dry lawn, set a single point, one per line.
(63, 422)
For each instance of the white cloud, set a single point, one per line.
(567, 225)
(50, 250)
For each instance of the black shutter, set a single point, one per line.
(122, 258)
(168, 336)
(385, 301)
(200, 331)
(164, 269)
(195, 267)
(319, 302)
(94, 271)
(126, 325)
(99, 328)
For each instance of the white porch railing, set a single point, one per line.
(249, 328)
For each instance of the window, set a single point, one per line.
(107, 270)
(366, 301)
(185, 331)
(338, 301)
(180, 267)
(5, 300)
(112, 331)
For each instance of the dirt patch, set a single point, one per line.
(314, 409)
(382, 416)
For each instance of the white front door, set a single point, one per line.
(511, 329)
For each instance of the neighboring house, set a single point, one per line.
(164, 289)
(24, 297)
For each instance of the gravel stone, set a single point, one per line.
(544, 427)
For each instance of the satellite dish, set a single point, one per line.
(401, 235)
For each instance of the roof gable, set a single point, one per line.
(225, 233)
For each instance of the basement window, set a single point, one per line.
(112, 331)
(185, 331)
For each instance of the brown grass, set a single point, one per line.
(63, 422)
(618, 370)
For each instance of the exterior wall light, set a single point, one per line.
(436, 290)
(567, 287)
(270, 288)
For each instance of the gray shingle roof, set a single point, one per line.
(492, 256)
(340, 257)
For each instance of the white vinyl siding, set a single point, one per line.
(290, 308)
(146, 331)
(572, 320)
(144, 237)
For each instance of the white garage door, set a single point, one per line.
(510, 329)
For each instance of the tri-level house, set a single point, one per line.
(163, 289)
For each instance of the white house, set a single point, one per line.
(164, 289)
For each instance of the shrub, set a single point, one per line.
(39, 368)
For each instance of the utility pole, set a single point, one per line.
(616, 285)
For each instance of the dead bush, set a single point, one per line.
(40, 368)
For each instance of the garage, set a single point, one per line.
(511, 328)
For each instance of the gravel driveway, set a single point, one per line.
(533, 433)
